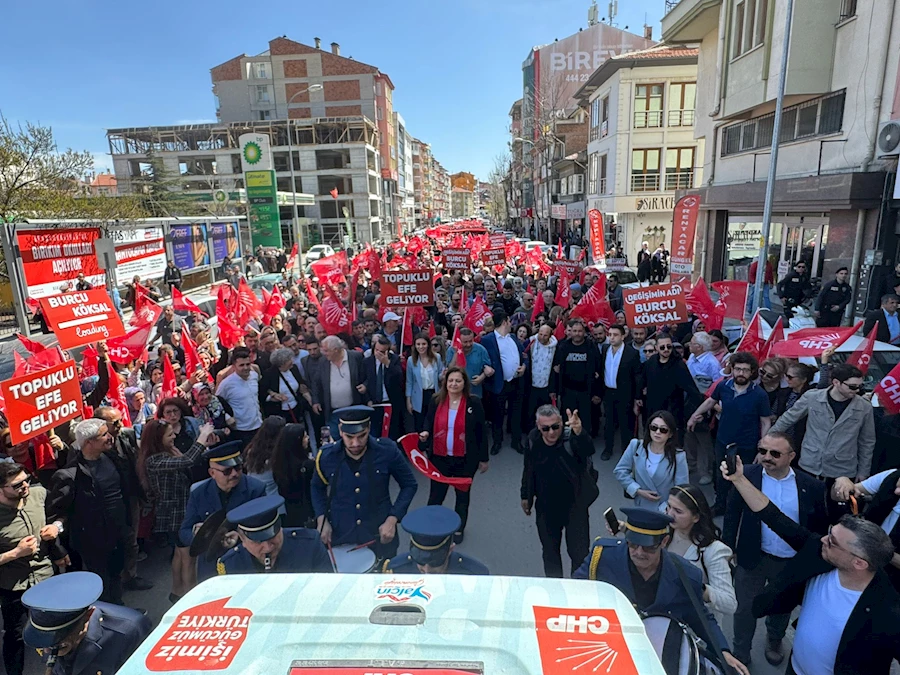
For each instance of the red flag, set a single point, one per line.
(147, 315)
(116, 394)
(334, 317)
(332, 269)
(31, 346)
(862, 355)
(292, 259)
(313, 298)
(90, 361)
(387, 411)
(266, 296)
(131, 346)
(752, 341)
(476, 315)
(813, 341)
(40, 361)
(538, 306)
(559, 250)
(274, 305)
(229, 333)
(888, 391)
(732, 298)
(431, 332)
(410, 444)
(333, 192)
(777, 335)
(191, 358)
(182, 303)
(406, 329)
(456, 344)
(169, 383)
(560, 332)
(354, 284)
(563, 291)
(701, 305)
(594, 305)
(250, 305)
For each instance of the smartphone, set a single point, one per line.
(611, 519)
(730, 458)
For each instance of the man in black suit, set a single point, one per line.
(887, 318)
(338, 381)
(621, 383)
(384, 384)
(762, 556)
(850, 616)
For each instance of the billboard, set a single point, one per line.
(52, 258)
(226, 241)
(189, 249)
(140, 252)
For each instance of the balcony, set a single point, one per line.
(648, 119)
(679, 180)
(602, 186)
(690, 20)
(680, 118)
(645, 182)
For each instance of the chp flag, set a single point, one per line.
(684, 229)
(456, 258)
(407, 288)
(41, 400)
(813, 341)
(82, 317)
(888, 391)
(655, 305)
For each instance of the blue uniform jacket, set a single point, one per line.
(671, 597)
(361, 500)
(302, 552)
(108, 642)
(494, 383)
(204, 501)
(460, 563)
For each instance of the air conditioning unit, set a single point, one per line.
(888, 141)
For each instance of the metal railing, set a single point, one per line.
(680, 118)
(679, 180)
(602, 186)
(645, 182)
(648, 119)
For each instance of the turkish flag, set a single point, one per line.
(701, 305)
(410, 444)
(563, 291)
(292, 259)
(458, 355)
(538, 306)
(131, 346)
(813, 341)
(732, 298)
(191, 358)
(31, 346)
(169, 383)
(752, 340)
(862, 355)
(182, 303)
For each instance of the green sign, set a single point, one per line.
(262, 207)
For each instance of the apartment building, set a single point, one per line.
(405, 191)
(836, 164)
(514, 180)
(464, 180)
(641, 148)
(423, 183)
(441, 190)
(462, 203)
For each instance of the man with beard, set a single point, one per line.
(577, 365)
(745, 418)
(668, 381)
(638, 338)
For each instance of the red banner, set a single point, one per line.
(205, 637)
(494, 256)
(410, 444)
(497, 240)
(456, 259)
(702, 306)
(598, 243)
(42, 400)
(586, 636)
(572, 268)
(399, 669)
(684, 229)
(51, 258)
(655, 305)
(813, 341)
(82, 317)
(407, 288)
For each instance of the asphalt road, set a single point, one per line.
(499, 534)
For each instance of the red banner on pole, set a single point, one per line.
(82, 317)
(655, 305)
(494, 256)
(456, 258)
(684, 229)
(407, 288)
(598, 243)
(42, 400)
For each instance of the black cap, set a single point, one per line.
(645, 527)
(355, 418)
(431, 530)
(226, 454)
(258, 519)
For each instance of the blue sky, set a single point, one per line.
(85, 67)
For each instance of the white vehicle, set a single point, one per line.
(532, 243)
(318, 252)
(357, 624)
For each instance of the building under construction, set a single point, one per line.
(328, 153)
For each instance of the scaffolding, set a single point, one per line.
(209, 137)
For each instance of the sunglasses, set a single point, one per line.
(435, 344)
(852, 387)
(648, 549)
(766, 373)
(227, 471)
(664, 348)
(775, 454)
(17, 486)
(551, 427)
(833, 543)
(659, 429)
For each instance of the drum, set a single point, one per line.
(349, 559)
(677, 647)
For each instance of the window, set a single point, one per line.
(265, 114)
(750, 20)
(682, 96)
(818, 117)
(738, 35)
(261, 71)
(848, 9)
(595, 119)
(262, 93)
(379, 113)
(603, 190)
(645, 170)
(679, 168)
(604, 117)
(648, 106)
(593, 169)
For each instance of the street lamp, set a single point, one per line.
(312, 87)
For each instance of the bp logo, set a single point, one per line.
(252, 153)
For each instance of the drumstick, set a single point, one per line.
(333, 561)
(366, 545)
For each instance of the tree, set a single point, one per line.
(498, 204)
(162, 192)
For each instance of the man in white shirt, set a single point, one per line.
(543, 348)
(241, 391)
(761, 554)
(503, 388)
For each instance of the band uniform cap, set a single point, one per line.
(258, 519)
(226, 454)
(354, 419)
(645, 527)
(56, 605)
(390, 316)
(430, 530)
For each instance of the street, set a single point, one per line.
(499, 534)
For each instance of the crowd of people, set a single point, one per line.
(276, 445)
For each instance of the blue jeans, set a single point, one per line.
(751, 294)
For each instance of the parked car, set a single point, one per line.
(318, 252)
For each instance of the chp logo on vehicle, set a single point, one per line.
(205, 637)
(398, 591)
(581, 641)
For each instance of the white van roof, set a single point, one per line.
(325, 624)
